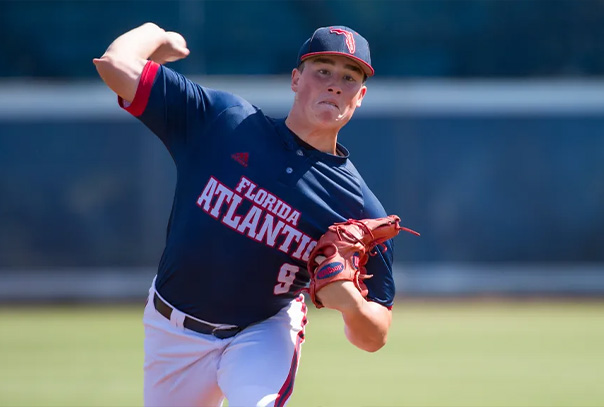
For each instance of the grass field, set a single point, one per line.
(439, 354)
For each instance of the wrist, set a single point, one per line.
(342, 296)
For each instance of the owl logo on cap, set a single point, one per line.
(349, 38)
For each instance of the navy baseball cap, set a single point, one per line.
(338, 40)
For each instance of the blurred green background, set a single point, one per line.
(440, 354)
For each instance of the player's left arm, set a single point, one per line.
(366, 322)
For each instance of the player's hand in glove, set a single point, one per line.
(343, 251)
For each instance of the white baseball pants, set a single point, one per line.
(255, 368)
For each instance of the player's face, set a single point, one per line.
(328, 90)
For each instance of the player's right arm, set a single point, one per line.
(121, 65)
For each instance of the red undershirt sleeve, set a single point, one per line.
(138, 105)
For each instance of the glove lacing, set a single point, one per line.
(367, 230)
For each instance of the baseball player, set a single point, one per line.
(225, 315)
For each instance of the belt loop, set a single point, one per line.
(177, 318)
(152, 288)
(151, 292)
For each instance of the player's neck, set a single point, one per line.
(324, 140)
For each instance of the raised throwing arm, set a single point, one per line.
(121, 65)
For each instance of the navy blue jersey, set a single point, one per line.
(250, 203)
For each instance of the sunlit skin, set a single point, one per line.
(328, 89)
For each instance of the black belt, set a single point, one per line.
(194, 325)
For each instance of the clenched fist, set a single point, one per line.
(172, 49)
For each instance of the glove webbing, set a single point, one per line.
(350, 236)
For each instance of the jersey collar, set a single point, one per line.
(291, 143)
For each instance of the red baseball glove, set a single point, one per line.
(342, 252)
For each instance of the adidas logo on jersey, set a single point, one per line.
(241, 158)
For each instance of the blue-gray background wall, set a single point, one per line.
(518, 185)
(479, 189)
(409, 38)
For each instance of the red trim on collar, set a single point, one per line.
(143, 90)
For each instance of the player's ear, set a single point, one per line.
(295, 79)
(362, 92)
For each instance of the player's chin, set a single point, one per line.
(331, 119)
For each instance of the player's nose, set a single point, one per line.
(334, 89)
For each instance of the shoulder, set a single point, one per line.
(207, 97)
(372, 207)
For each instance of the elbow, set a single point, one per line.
(374, 345)
(117, 75)
(104, 65)
(371, 333)
(369, 344)
(107, 68)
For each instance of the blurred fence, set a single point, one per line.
(504, 179)
(411, 38)
(445, 280)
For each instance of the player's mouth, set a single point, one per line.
(329, 103)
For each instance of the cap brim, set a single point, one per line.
(368, 69)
